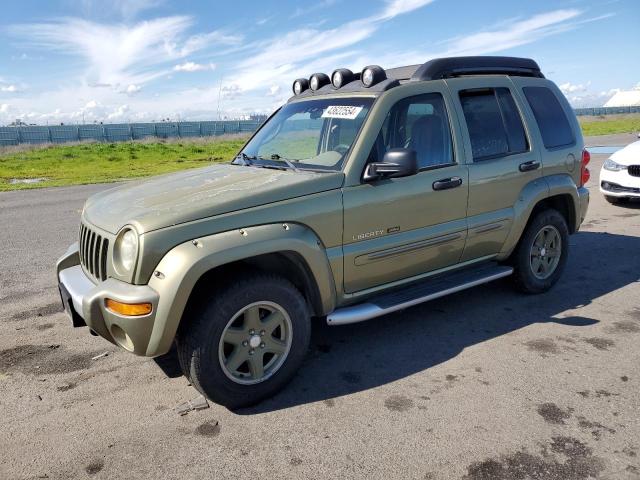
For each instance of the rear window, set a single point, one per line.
(494, 123)
(552, 121)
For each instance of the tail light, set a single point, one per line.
(585, 175)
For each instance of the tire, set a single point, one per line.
(529, 259)
(208, 360)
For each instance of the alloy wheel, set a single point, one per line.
(545, 252)
(255, 343)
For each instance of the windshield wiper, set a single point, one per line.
(246, 159)
(277, 157)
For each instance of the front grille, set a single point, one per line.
(93, 253)
(634, 170)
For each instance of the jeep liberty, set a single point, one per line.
(365, 194)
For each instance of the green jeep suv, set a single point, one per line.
(366, 193)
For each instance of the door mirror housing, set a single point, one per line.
(397, 162)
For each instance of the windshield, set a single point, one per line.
(312, 134)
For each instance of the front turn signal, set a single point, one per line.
(128, 309)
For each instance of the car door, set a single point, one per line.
(500, 159)
(397, 228)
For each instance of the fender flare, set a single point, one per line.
(532, 194)
(180, 269)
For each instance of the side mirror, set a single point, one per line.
(397, 162)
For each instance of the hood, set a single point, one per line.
(204, 192)
(629, 155)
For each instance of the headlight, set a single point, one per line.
(613, 166)
(125, 251)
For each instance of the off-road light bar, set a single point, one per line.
(372, 75)
(341, 77)
(300, 85)
(318, 80)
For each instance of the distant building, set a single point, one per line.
(629, 98)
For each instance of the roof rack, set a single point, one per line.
(449, 67)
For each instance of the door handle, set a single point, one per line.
(529, 166)
(447, 183)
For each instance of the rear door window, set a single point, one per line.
(552, 121)
(494, 123)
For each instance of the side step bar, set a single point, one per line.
(415, 294)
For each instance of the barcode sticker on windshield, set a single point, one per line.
(338, 111)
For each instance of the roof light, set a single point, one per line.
(318, 80)
(300, 85)
(372, 74)
(341, 77)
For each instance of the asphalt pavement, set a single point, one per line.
(484, 384)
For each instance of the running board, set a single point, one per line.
(417, 293)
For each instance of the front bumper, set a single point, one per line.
(619, 184)
(85, 301)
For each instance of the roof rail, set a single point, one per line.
(449, 67)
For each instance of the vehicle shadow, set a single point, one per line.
(353, 358)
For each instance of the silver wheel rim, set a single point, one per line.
(255, 343)
(545, 252)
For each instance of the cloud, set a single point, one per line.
(399, 7)
(569, 87)
(501, 36)
(132, 89)
(230, 92)
(201, 41)
(119, 113)
(119, 54)
(193, 67)
(130, 8)
(313, 7)
(513, 34)
(584, 98)
(4, 108)
(274, 90)
(127, 9)
(9, 89)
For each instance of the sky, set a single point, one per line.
(78, 61)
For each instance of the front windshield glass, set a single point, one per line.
(311, 134)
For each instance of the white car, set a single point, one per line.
(620, 174)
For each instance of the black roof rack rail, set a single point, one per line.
(449, 67)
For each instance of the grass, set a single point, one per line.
(84, 163)
(605, 125)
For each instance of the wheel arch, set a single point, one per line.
(555, 191)
(200, 265)
(287, 264)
